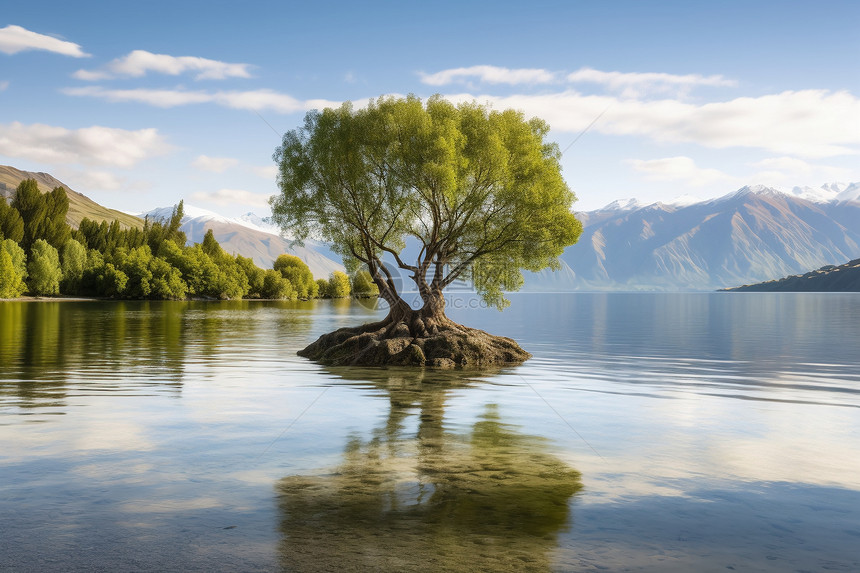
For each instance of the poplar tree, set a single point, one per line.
(44, 269)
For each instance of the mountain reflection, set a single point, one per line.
(433, 499)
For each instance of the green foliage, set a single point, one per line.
(43, 216)
(102, 278)
(149, 276)
(277, 287)
(73, 262)
(323, 288)
(296, 271)
(11, 223)
(363, 285)
(166, 282)
(54, 228)
(211, 246)
(108, 237)
(253, 274)
(197, 269)
(481, 191)
(158, 232)
(19, 257)
(29, 205)
(13, 269)
(44, 269)
(135, 265)
(338, 285)
(218, 276)
(103, 259)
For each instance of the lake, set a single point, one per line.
(650, 432)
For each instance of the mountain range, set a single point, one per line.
(752, 235)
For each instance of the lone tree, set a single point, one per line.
(478, 191)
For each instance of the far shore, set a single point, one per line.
(61, 298)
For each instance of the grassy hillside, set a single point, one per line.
(80, 206)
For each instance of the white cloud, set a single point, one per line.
(787, 164)
(214, 164)
(255, 100)
(793, 171)
(634, 84)
(680, 169)
(14, 39)
(95, 145)
(4, 85)
(489, 74)
(809, 123)
(269, 172)
(157, 98)
(233, 197)
(140, 62)
(91, 180)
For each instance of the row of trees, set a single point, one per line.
(40, 254)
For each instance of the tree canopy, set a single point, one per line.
(479, 192)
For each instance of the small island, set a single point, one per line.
(829, 278)
(476, 193)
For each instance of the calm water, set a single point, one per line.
(650, 432)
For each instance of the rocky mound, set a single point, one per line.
(379, 344)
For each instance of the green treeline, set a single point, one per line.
(41, 255)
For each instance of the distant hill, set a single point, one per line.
(752, 235)
(80, 206)
(829, 278)
(250, 237)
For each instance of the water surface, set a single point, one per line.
(650, 432)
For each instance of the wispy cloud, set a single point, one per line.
(214, 164)
(488, 74)
(635, 84)
(91, 179)
(808, 123)
(4, 85)
(255, 100)
(268, 172)
(631, 84)
(97, 145)
(233, 197)
(14, 39)
(140, 62)
(791, 170)
(678, 169)
(157, 98)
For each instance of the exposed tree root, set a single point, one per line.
(416, 341)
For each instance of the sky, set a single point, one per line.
(140, 105)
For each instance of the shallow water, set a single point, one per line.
(650, 432)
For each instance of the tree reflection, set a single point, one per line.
(46, 346)
(487, 498)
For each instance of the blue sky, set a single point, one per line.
(140, 105)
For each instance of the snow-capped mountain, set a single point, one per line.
(249, 236)
(754, 234)
(254, 221)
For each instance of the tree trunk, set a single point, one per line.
(432, 314)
